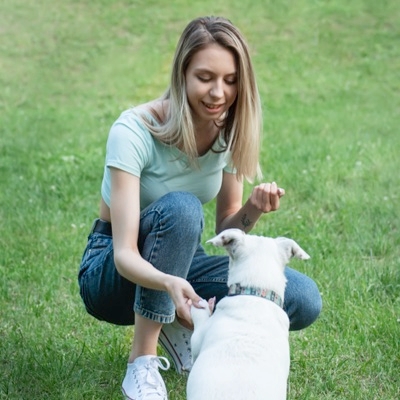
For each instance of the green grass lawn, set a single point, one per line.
(328, 73)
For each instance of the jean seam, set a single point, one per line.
(162, 318)
(206, 279)
(153, 253)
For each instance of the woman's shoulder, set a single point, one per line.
(156, 109)
(132, 125)
(144, 115)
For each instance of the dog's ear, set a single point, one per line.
(292, 249)
(229, 239)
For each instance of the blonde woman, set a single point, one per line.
(144, 263)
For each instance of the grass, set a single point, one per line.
(328, 76)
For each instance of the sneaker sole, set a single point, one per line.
(126, 397)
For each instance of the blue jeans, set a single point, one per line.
(169, 238)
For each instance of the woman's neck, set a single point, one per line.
(205, 136)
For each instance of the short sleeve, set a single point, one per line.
(230, 170)
(128, 146)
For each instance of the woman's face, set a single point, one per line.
(211, 83)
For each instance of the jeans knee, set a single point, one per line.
(185, 210)
(307, 309)
(303, 301)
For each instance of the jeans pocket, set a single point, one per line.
(97, 245)
(96, 252)
(84, 291)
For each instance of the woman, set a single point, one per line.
(144, 263)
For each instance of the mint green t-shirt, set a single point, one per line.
(161, 168)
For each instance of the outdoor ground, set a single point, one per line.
(328, 73)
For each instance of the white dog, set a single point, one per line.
(241, 352)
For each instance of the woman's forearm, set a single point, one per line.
(134, 268)
(244, 219)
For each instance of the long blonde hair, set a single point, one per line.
(242, 126)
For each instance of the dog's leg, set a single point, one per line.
(200, 316)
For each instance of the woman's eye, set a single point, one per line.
(203, 79)
(206, 79)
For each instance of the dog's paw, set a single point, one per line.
(206, 305)
(203, 311)
(203, 303)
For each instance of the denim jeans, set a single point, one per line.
(169, 238)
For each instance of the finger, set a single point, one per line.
(184, 313)
(274, 195)
(274, 188)
(274, 202)
(266, 202)
(197, 303)
(192, 297)
(281, 192)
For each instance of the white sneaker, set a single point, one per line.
(143, 381)
(175, 339)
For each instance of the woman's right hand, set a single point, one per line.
(183, 296)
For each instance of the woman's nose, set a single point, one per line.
(217, 89)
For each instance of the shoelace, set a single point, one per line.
(158, 362)
(148, 374)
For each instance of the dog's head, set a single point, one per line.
(257, 260)
(238, 245)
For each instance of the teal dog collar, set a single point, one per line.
(236, 289)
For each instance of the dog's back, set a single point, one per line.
(241, 352)
(244, 352)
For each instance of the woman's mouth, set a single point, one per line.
(213, 107)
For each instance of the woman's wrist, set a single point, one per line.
(167, 282)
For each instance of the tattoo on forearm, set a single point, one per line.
(245, 221)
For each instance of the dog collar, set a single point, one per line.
(236, 289)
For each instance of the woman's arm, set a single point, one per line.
(125, 214)
(230, 211)
(125, 218)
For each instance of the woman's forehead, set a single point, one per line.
(212, 58)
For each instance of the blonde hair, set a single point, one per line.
(241, 129)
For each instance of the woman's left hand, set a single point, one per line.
(266, 197)
(183, 296)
